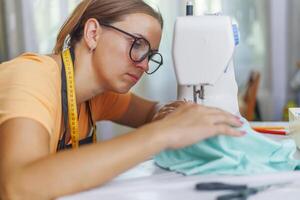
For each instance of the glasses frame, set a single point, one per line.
(149, 54)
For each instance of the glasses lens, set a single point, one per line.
(155, 61)
(139, 50)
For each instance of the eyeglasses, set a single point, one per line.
(140, 50)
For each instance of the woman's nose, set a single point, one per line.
(144, 64)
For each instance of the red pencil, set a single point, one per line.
(270, 131)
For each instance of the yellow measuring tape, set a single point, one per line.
(72, 106)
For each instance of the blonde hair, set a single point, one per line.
(105, 11)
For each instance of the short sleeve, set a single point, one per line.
(110, 105)
(29, 88)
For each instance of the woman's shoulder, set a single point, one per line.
(31, 67)
(31, 60)
(36, 74)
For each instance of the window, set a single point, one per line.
(46, 18)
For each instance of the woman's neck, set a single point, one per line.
(85, 85)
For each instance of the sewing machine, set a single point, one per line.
(203, 48)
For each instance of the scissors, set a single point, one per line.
(240, 192)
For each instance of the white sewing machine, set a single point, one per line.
(203, 47)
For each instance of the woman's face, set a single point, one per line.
(111, 61)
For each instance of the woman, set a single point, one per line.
(112, 44)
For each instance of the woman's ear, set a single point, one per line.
(92, 30)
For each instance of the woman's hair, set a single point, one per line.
(105, 11)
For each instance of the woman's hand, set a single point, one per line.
(191, 123)
(164, 110)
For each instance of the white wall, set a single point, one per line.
(14, 28)
(279, 61)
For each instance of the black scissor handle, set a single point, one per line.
(232, 196)
(211, 186)
(239, 195)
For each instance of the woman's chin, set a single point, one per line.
(123, 89)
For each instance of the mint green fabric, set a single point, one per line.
(251, 154)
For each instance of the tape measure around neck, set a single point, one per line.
(72, 106)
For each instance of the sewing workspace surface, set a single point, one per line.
(147, 181)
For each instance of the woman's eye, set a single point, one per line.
(137, 45)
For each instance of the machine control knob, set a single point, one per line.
(236, 34)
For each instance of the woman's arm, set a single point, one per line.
(28, 171)
(141, 111)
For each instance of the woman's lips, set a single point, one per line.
(134, 77)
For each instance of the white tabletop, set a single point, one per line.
(149, 182)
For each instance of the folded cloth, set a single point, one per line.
(250, 154)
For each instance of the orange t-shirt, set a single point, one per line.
(30, 87)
